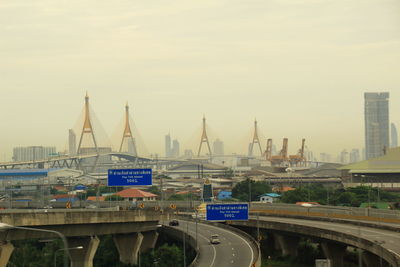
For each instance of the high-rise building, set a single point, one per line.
(250, 150)
(175, 148)
(131, 146)
(344, 157)
(325, 157)
(376, 113)
(188, 154)
(393, 135)
(273, 150)
(354, 155)
(218, 147)
(167, 146)
(71, 142)
(31, 153)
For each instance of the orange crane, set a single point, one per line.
(299, 158)
(282, 157)
(268, 151)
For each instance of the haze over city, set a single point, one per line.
(299, 67)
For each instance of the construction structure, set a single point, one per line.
(204, 138)
(282, 157)
(268, 151)
(255, 141)
(87, 128)
(298, 159)
(127, 136)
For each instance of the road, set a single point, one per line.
(233, 250)
(389, 239)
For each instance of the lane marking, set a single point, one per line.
(207, 241)
(232, 233)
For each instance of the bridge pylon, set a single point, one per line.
(204, 138)
(87, 127)
(256, 140)
(127, 134)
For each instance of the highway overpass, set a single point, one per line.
(236, 247)
(376, 232)
(132, 231)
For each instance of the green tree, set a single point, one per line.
(348, 199)
(242, 189)
(169, 256)
(154, 189)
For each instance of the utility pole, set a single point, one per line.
(258, 229)
(184, 248)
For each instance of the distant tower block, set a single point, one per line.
(204, 138)
(87, 127)
(127, 135)
(256, 140)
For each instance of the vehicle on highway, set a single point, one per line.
(214, 239)
(307, 204)
(174, 223)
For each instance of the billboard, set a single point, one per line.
(227, 212)
(129, 177)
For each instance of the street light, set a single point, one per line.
(55, 253)
(4, 226)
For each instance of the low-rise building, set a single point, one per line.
(132, 194)
(269, 197)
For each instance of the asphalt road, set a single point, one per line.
(389, 240)
(233, 250)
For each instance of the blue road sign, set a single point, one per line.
(227, 212)
(129, 177)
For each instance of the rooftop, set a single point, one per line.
(134, 193)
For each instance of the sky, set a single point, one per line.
(299, 66)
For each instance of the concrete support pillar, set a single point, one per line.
(128, 246)
(6, 249)
(149, 240)
(334, 252)
(371, 260)
(83, 257)
(287, 244)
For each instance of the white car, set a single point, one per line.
(214, 239)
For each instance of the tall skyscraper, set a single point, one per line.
(218, 147)
(344, 157)
(131, 146)
(393, 135)
(188, 154)
(167, 146)
(355, 155)
(71, 142)
(175, 148)
(376, 114)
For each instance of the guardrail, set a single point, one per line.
(367, 214)
(334, 212)
(257, 256)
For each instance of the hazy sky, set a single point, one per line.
(299, 66)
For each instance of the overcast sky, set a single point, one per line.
(299, 66)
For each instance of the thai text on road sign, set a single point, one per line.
(129, 177)
(227, 212)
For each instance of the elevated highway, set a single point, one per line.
(236, 247)
(132, 231)
(76, 161)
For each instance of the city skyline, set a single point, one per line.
(300, 68)
(193, 147)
